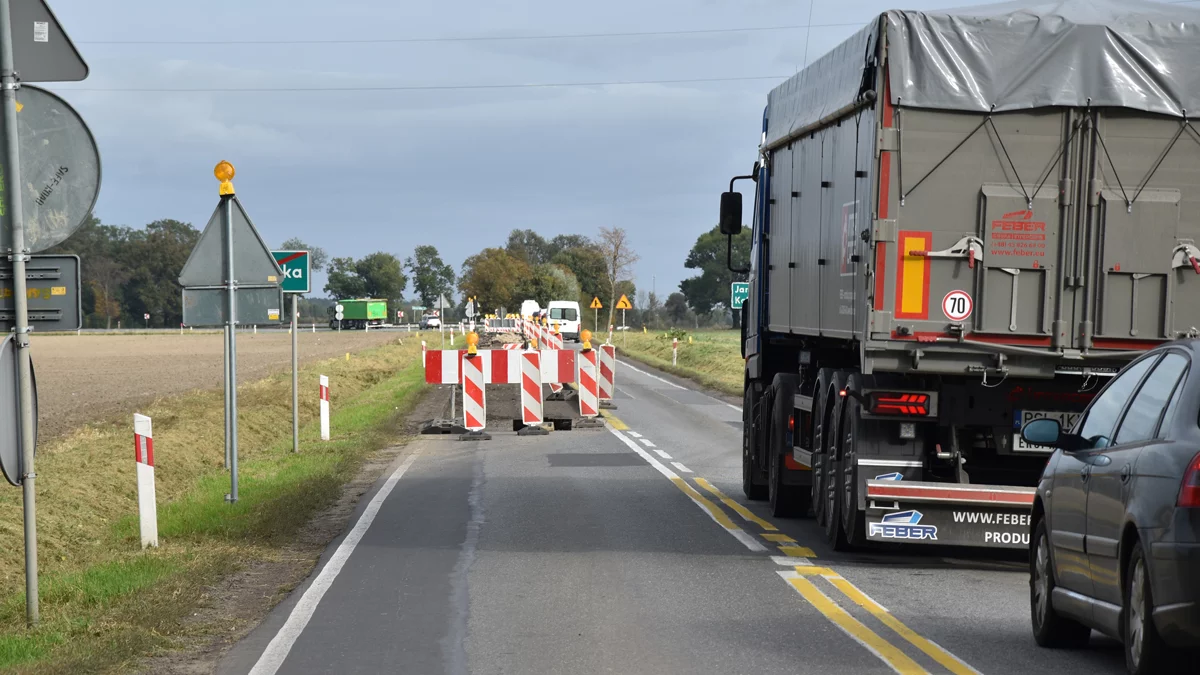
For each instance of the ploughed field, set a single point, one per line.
(90, 378)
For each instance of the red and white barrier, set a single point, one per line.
(608, 371)
(556, 342)
(143, 452)
(589, 384)
(499, 366)
(324, 408)
(531, 387)
(474, 402)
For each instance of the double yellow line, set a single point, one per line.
(800, 579)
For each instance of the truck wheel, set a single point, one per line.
(753, 486)
(851, 428)
(787, 501)
(820, 415)
(835, 531)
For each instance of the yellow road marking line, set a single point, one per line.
(949, 661)
(797, 551)
(886, 651)
(778, 538)
(717, 514)
(613, 421)
(742, 511)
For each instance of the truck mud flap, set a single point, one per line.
(950, 514)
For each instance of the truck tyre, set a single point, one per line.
(834, 534)
(754, 486)
(820, 421)
(851, 428)
(787, 501)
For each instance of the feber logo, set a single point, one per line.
(903, 525)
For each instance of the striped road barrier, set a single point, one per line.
(143, 451)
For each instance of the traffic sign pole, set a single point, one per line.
(19, 255)
(231, 335)
(295, 376)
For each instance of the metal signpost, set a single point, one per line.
(739, 291)
(230, 277)
(338, 314)
(297, 270)
(597, 307)
(624, 304)
(44, 200)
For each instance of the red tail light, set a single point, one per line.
(1189, 492)
(791, 422)
(899, 403)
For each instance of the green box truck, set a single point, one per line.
(360, 314)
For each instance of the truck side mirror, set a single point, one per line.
(731, 213)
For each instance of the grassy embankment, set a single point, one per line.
(713, 358)
(105, 602)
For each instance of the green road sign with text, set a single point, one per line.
(739, 291)
(297, 274)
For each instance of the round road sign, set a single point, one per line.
(339, 308)
(338, 316)
(957, 305)
(60, 169)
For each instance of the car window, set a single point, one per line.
(1097, 427)
(564, 313)
(1165, 425)
(1151, 400)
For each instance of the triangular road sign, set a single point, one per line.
(253, 263)
(595, 304)
(624, 303)
(42, 52)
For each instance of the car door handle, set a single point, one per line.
(1085, 472)
(1126, 473)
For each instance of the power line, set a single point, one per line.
(430, 87)
(473, 38)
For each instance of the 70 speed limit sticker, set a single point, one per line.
(957, 305)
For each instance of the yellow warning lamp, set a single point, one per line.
(224, 172)
(472, 341)
(586, 337)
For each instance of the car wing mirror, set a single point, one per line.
(1043, 432)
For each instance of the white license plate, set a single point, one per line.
(1022, 417)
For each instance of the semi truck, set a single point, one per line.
(361, 314)
(962, 221)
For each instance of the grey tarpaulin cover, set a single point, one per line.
(1013, 56)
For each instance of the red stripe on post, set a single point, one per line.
(149, 451)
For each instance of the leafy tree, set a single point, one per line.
(528, 246)
(317, 257)
(545, 283)
(564, 242)
(587, 264)
(676, 308)
(709, 255)
(493, 276)
(431, 277)
(619, 259)
(343, 281)
(378, 275)
(155, 257)
(106, 277)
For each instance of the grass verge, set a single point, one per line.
(712, 358)
(104, 601)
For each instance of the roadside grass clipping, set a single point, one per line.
(713, 358)
(104, 601)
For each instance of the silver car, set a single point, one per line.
(1116, 520)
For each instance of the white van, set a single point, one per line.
(530, 308)
(565, 315)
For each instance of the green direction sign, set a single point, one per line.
(297, 273)
(739, 291)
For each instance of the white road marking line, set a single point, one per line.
(646, 442)
(626, 392)
(634, 434)
(275, 653)
(788, 561)
(668, 382)
(662, 454)
(736, 532)
(681, 467)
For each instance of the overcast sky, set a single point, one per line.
(361, 171)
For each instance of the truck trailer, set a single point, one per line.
(361, 314)
(963, 220)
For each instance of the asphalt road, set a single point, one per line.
(631, 550)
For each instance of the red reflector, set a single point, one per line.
(1189, 491)
(899, 403)
(791, 422)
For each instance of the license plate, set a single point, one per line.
(1022, 417)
